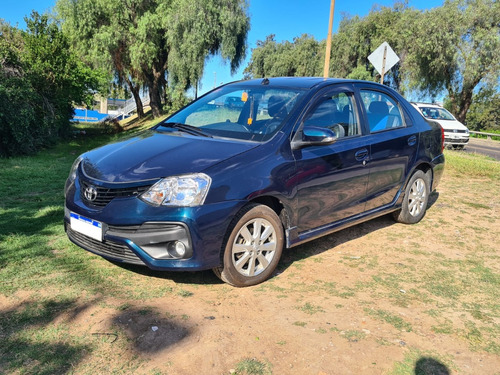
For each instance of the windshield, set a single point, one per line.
(248, 113)
(436, 113)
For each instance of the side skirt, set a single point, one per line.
(293, 238)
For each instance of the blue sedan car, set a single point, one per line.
(225, 187)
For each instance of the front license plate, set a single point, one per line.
(86, 226)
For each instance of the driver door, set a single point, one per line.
(332, 179)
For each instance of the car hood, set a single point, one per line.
(451, 124)
(152, 155)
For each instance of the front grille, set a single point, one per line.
(105, 195)
(107, 248)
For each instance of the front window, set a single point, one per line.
(335, 112)
(436, 113)
(248, 113)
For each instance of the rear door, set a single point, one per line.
(393, 143)
(331, 179)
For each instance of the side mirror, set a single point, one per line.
(313, 136)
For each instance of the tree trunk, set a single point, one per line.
(138, 101)
(464, 106)
(134, 89)
(155, 99)
(154, 82)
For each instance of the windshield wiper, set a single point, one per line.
(186, 128)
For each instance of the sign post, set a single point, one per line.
(383, 59)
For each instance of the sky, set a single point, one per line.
(285, 19)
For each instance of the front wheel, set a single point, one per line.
(252, 248)
(415, 200)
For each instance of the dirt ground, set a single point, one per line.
(377, 298)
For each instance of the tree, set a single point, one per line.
(456, 49)
(484, 112)
(355, 40)
(453, 49)
(358, 37)
(298, 58)
(40, 81)
(156, 42)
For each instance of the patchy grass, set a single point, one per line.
(388, 317)
(423, 363)
(252, 366)
(310, 309)
(354, 335)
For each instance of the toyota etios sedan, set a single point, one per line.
(251, 168)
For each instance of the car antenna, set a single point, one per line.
(265, 81)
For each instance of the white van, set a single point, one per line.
(456, 134)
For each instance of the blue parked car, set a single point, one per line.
(225, 187)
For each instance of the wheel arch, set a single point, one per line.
(276, 205)
(424, 167)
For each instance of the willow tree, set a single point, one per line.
(456, 50)
(358, 37)
(153, 42)
(299, 58)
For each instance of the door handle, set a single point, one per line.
(361, 154)
(412, 140)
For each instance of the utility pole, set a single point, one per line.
(329, 41)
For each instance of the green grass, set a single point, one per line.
(252, 366)
(388, 317)
(310, 309)
(354, 335)
(471, 165)
(494, 131)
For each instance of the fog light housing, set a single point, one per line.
(176, 249)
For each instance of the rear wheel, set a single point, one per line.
(415, 200)
(253, 247)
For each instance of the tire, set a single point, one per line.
(415, 200)
(252, 248)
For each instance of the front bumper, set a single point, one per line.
(455, 141)
(135, 232)
(139, 244)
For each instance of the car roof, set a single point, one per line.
(427, 105)
(296, 82)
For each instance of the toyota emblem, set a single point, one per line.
(90, 193)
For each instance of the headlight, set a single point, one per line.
(74, 168)
(72, 174)
(185, 191)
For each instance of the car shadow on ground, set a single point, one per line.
(335, 239)
(206, 277)
(288, 257)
